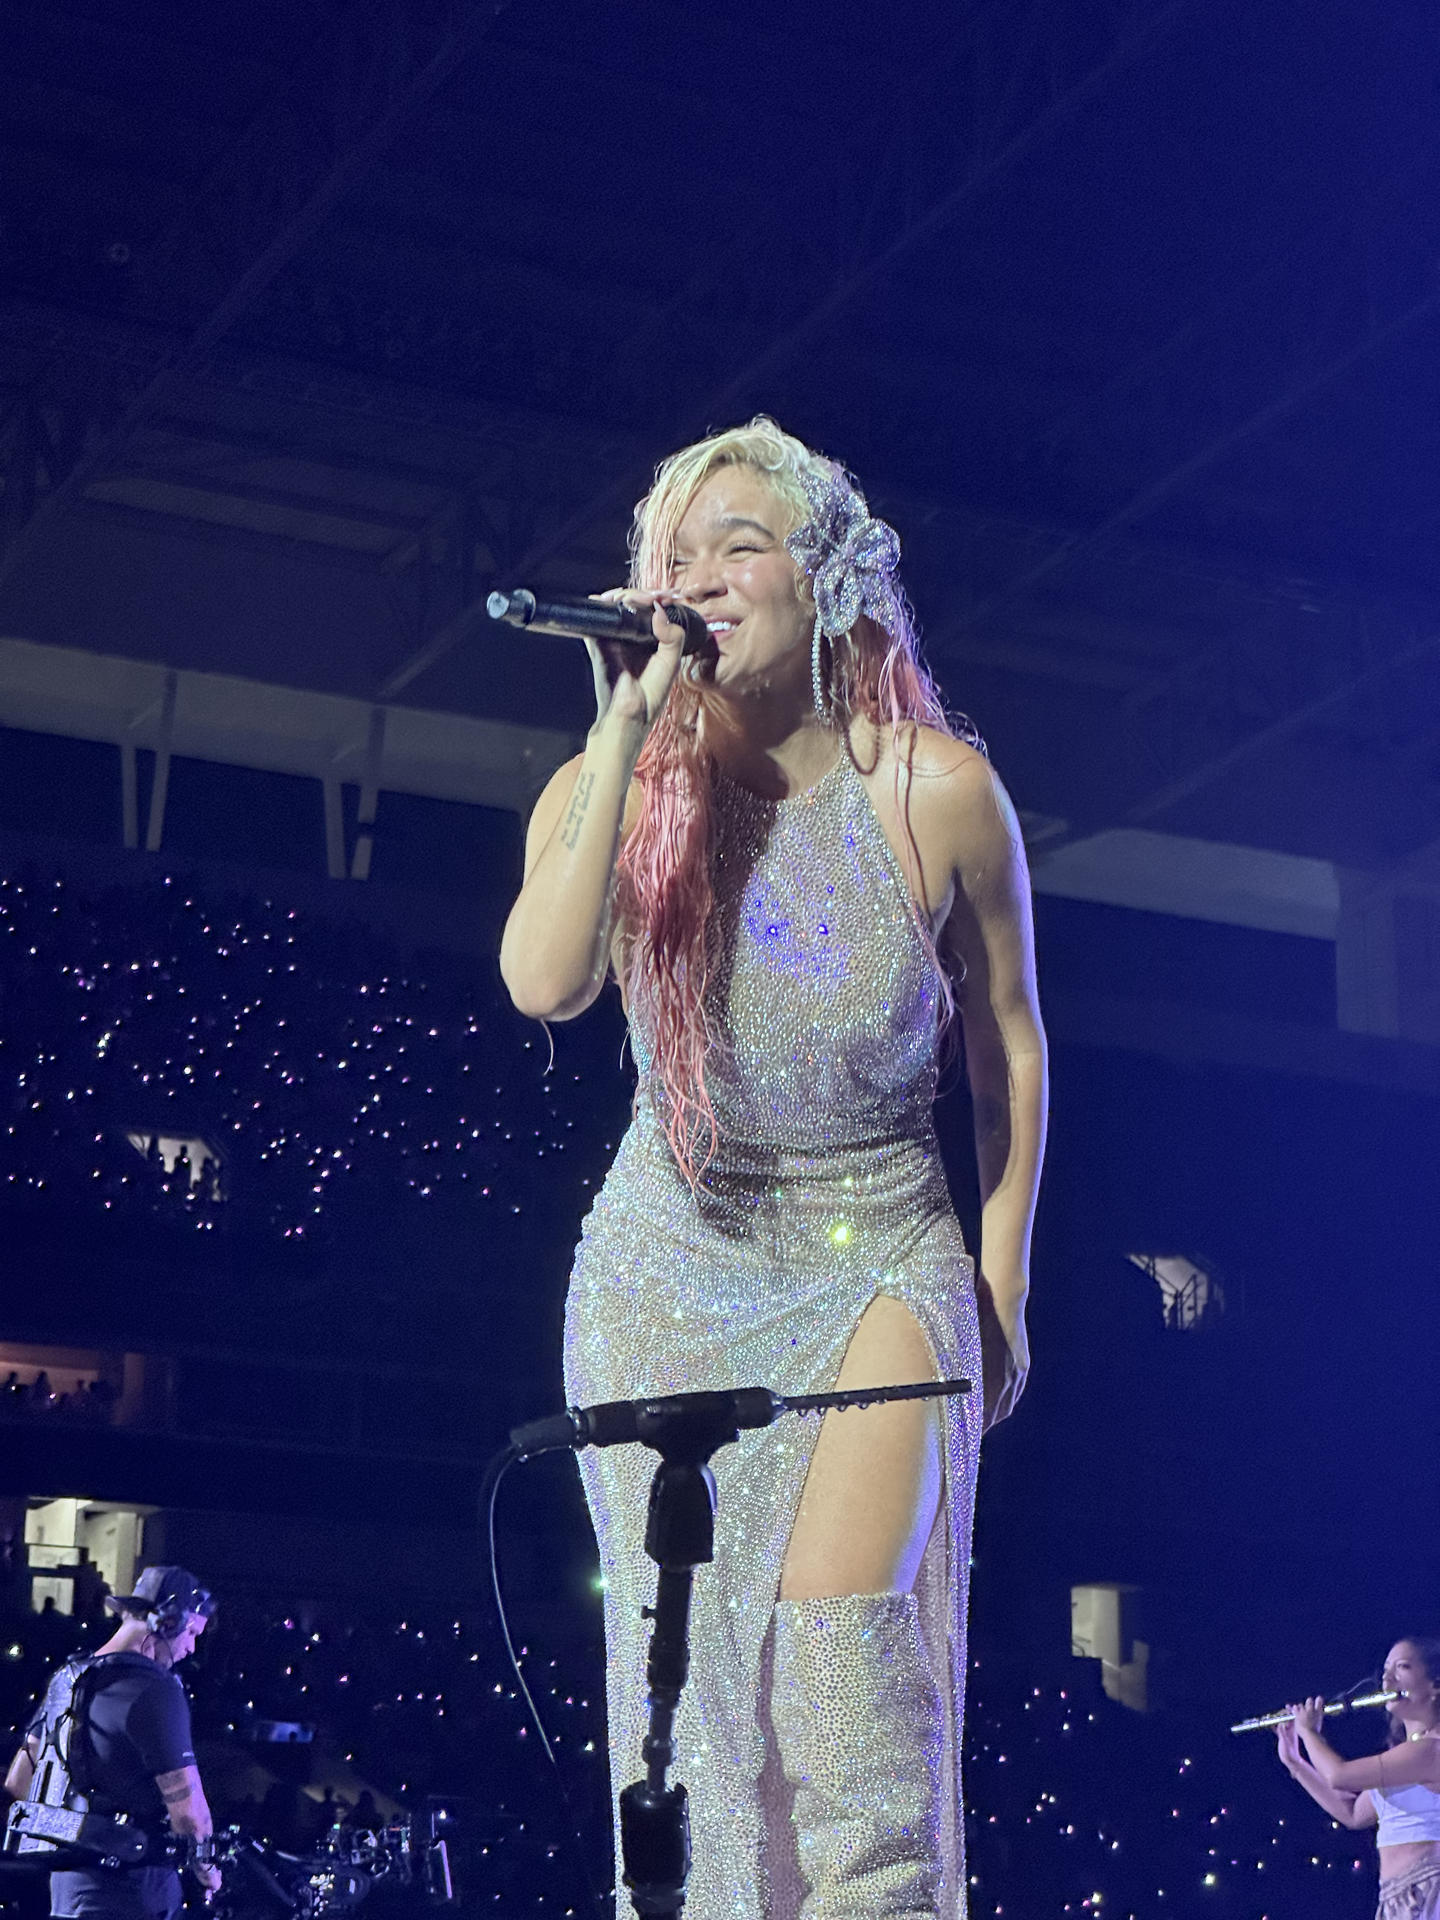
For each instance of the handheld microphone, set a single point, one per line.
(580, 619)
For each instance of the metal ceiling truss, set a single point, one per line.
(1256, 319)
(1320, 356)
(1338, 708)
(1257, 683)
(1005, 124)
(91, 414)
(1185, 637)
(262, 202)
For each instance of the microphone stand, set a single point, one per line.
(679, 1537)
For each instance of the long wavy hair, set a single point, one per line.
(1427, 1647)
(665, 893)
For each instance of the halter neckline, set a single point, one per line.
(801, 795)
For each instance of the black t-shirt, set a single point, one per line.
(136, 1724)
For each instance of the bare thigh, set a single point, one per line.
(873, 1489)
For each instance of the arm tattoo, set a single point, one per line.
(177, 1785)
(578, 808)
(990, 1117)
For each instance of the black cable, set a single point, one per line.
(495, 1472)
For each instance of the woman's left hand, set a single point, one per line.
(1004, 1348)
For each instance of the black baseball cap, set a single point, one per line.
(160, 1587)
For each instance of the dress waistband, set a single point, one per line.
(740, 1156)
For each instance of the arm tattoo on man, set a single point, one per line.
(578, 808)
(172, 1795)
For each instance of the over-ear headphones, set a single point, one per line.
(168, 1618)
(164, 1598)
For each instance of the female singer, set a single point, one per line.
(1396, 1791)
(796, 870)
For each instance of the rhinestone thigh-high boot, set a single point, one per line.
(857, 1719)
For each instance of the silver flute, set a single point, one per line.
(1381, 1699)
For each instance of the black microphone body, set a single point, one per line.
(654, 1422)
(580, 619)
(616, 1423)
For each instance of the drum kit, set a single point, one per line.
(343, 1871)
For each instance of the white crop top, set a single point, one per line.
(1405, 1813)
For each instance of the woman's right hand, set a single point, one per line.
(632, 683)
(1004, 1348)
(1309, 1715)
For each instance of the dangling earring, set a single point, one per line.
(817, 676)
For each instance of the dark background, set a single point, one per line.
(316, 324)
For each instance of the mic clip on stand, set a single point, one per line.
(679, 1537)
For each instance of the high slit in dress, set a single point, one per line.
(826, 1190)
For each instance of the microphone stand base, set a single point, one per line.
(655, 1843)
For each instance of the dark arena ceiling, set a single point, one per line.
(320, 319)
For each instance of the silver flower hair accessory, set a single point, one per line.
(851, 559)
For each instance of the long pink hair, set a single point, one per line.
(665, 895)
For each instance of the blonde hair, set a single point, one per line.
(768, 450)
(665, 893)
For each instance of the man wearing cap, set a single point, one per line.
(131, 1740)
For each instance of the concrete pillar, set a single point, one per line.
(1387, 957)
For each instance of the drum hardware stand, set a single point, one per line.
(685, 1429)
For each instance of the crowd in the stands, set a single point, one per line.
(38, 1397)
(227, 1068)
(216, 1061)
(1076, 1805)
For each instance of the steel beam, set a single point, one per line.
(254, 218)
(160, 780)
(985, 169)
(1186, 785)
(1156, 492)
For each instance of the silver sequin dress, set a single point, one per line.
(827, 1190)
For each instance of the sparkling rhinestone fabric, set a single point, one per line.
(867, 1834)
(827, 1190)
